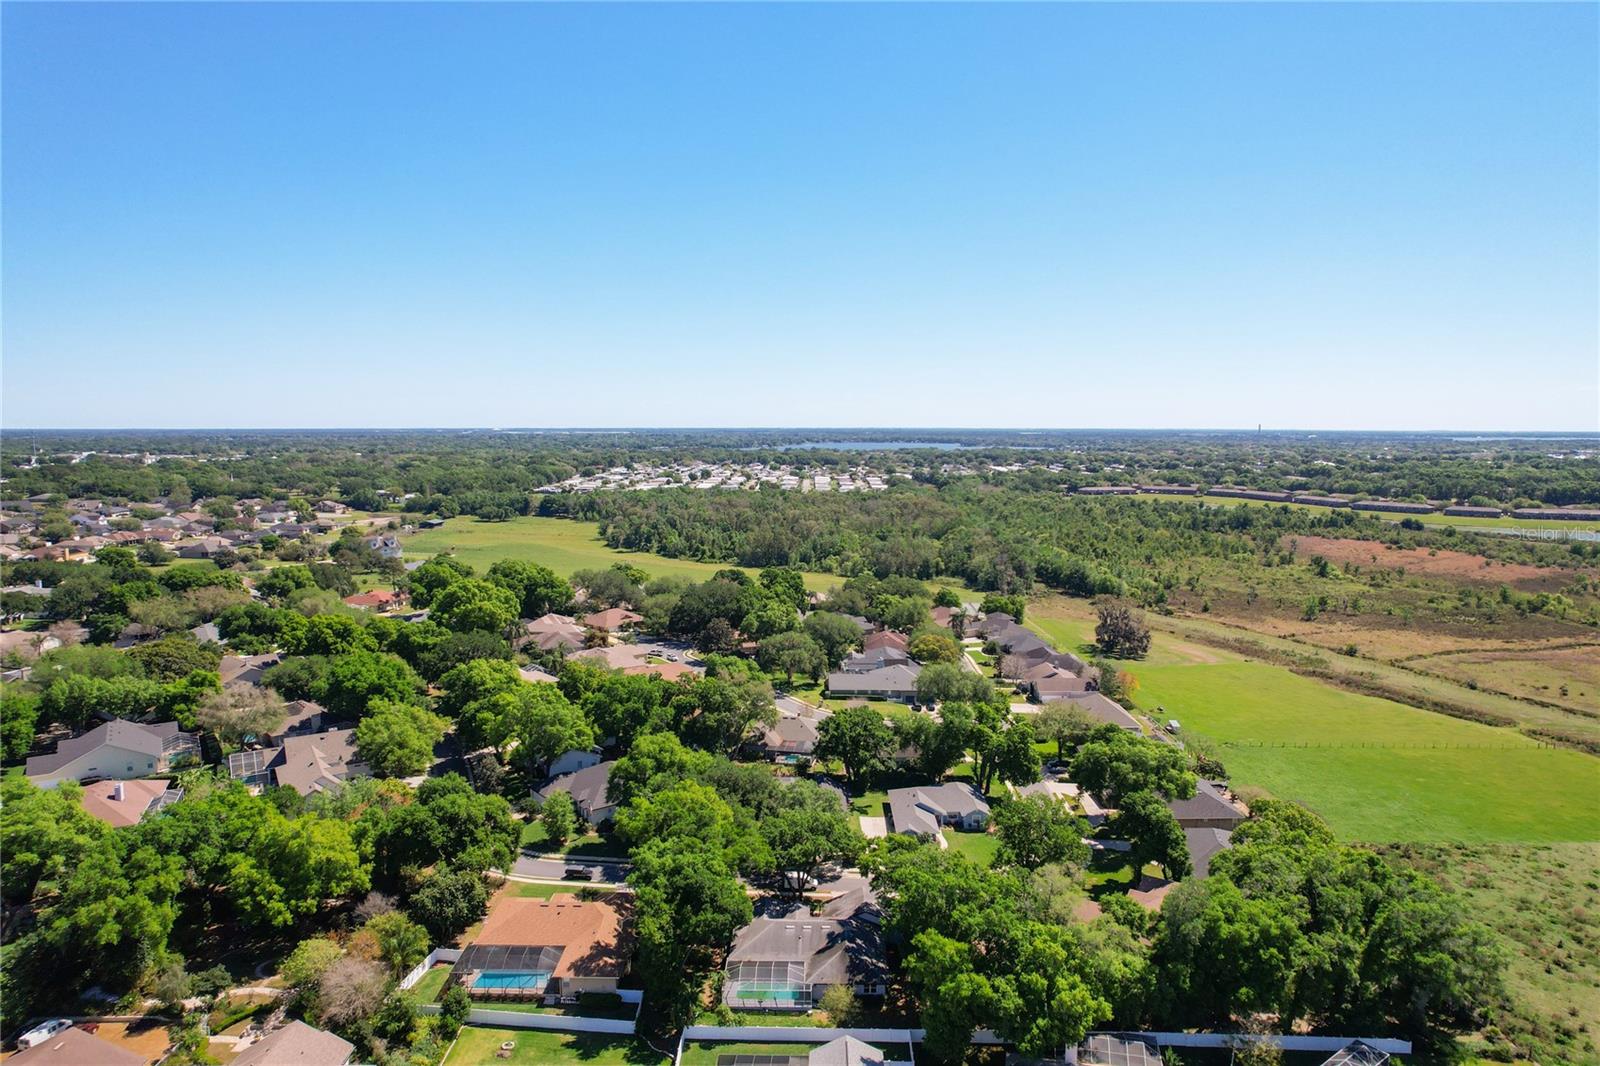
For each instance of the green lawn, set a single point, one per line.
(431, 986)
(979, 847)
(1375, 769)
(561, 544)
(477, 1046)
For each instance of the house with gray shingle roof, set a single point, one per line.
(115, 749)
(1209, 808)
(925, 809)
(896, 682)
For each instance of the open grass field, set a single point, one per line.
(1312, 648)
(561, 544)
(1374, 769)
(479, 1045)
(979, 847)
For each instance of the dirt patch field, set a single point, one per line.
(1428, 562)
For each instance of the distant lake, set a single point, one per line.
(875, 445)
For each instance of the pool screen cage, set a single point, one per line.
(762, 1060)
(768, 984)
(505, 958)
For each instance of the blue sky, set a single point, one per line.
(1344, 216)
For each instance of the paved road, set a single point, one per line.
(611, 873)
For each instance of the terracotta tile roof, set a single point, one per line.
(100, 799)
(591, 935)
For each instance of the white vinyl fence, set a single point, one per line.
(434, 956)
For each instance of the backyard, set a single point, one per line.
(480, 1046)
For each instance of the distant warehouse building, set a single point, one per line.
(1171, 490)
(1558, 514)
(1393, 506)
(1473, 512)
(1322, 501)
(1252, 494)
(1108, 490)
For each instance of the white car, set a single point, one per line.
(42, 1032)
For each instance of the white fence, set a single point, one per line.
(800, 1034)
(1286, 1042)
(773, 1034)
(434, 956)
(563, 1023)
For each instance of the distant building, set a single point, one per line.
(1204, 845)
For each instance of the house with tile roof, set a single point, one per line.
(546, 949)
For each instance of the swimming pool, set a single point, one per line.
(505, 979)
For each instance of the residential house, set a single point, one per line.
(615, 657)
(546, 949)
(925, 809)
(386, 545)
(1119, 1049)
(572, 761)
(376, 599)
(897, 682)
(117, 749)
(534, 675)
(297, 1044)
(75, 1047)
(551, 632)
(844, 1051)
(886, 638)
(1104, 710)
(239, 670)
(307, 763)
(788, 963)
(587, 787)
(1048, 683)
(862, 662)
(613, 620)
(789, 738)
(301, 717)
(1210, 808)
(119, 803)
(1355, 1053)
(665, 671)
(1204, 844)
(204, 548)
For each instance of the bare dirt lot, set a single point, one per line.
(1428, 562)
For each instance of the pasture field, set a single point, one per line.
(559, 543)
(1566, 676)
(1374, 769)
(1314, 647)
